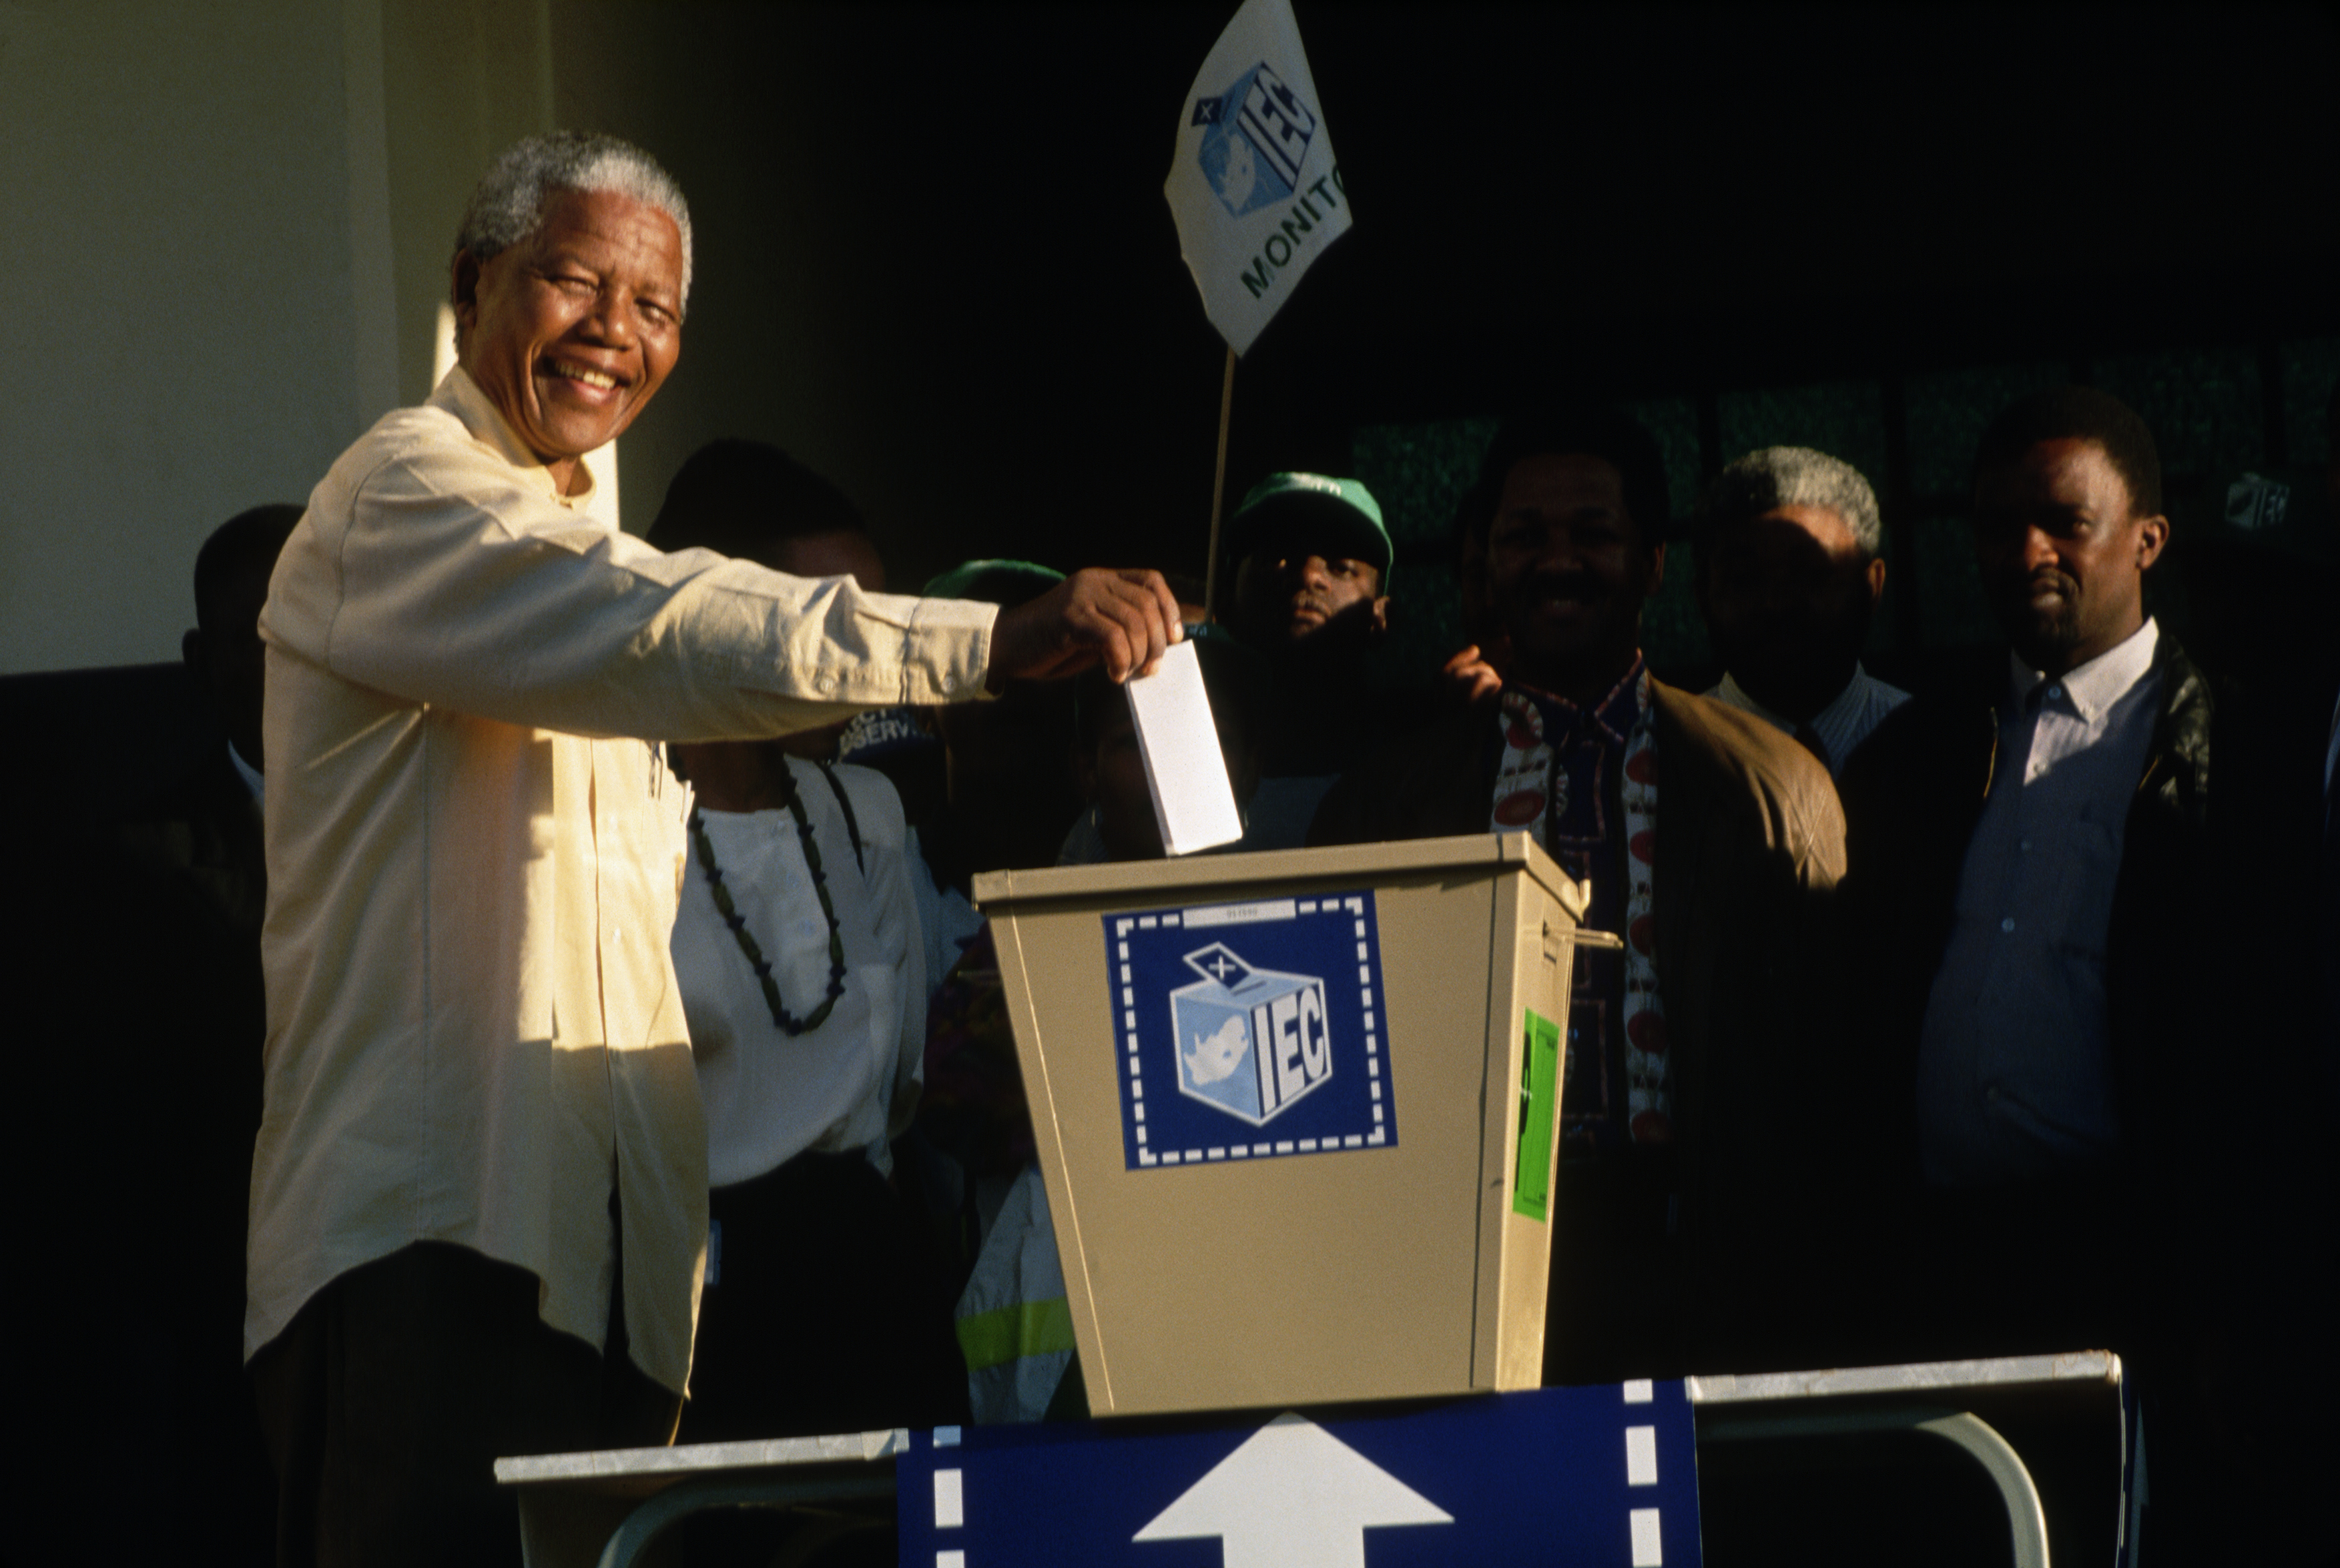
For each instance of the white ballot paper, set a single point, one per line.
(1193, 804)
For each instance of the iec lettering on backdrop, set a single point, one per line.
(1250, 1030)
(1597, 1477)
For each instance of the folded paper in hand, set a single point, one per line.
(1185, 771)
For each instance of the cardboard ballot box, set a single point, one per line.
(1297, 1114)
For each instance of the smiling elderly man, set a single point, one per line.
(478, 1198)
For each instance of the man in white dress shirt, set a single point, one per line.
(2027, 865)
(482, 1168)
(1788, 578)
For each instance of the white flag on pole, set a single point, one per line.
(1254, 186)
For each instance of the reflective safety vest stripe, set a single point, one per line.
(1021, 1328)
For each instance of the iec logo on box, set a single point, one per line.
(1269, 1024)
(1250, 1030)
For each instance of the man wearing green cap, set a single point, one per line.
(1310, 570)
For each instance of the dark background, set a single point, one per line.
(934, 259)
(1860, 227)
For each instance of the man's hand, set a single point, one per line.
(1470, 676)
(1123, 620)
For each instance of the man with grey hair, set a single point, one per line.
(1789, 577)
(479, 1195)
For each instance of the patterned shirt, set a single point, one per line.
(1563, 767)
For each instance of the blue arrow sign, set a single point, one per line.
(1599, 1476)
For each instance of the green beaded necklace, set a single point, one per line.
(788, 1023)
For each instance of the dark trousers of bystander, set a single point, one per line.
(823, 1315)
(390, 1396)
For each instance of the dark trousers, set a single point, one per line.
(824, 1315)
(391, 1394)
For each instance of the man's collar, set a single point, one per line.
(1614, 713)
(460, 396)
(2093, 687)
(1840, 707)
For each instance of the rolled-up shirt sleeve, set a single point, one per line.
(451, 579)
(476, 1035)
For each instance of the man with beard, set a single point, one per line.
(1710, 840)
(1788, 579)
(2028, 871)
(1311, 597)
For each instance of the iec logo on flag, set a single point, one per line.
(1250, 1030)
(1255, 186)
(1257, 140)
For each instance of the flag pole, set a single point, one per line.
(1219, 489)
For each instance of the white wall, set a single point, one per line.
(226, 235)
(177, 254)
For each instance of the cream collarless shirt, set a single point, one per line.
(474, 1032)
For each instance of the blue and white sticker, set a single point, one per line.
(1250, 1030)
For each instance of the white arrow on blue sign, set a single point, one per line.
(1593, 1477)
(1292, 1496)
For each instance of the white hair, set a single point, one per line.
(1775, 477)
(507, 207)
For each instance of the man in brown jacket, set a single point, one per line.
(1710, 840)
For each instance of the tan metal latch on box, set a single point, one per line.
(1297, 1114)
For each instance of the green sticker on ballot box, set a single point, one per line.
(1539, 1113)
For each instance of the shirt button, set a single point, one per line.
(826, 681)
(2023, 844)
(2055, 694)
(1992, 1093)
(2007, 924)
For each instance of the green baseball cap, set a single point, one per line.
(1336, 516)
